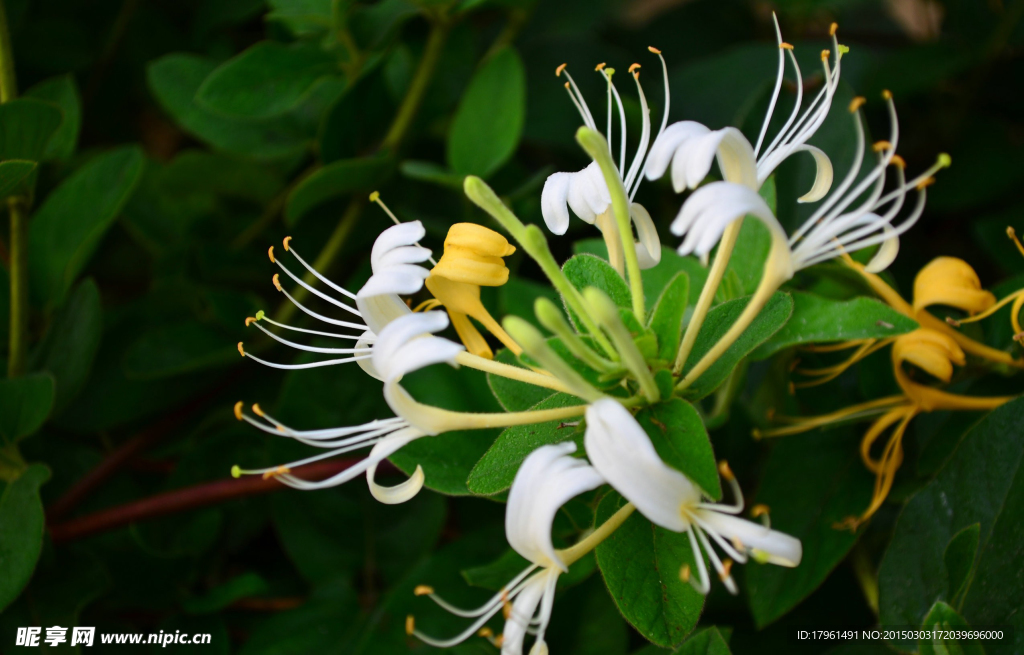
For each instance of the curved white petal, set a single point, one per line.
(648, 246)
(380, 310)
(823, 174)
(366, 340)
(400, 279)
(736, 158)
(402, 255)
(405, 345)
(553, 199)
(706, 214)
(765, 544)
(396, 236)
(886, 252)
(547, 479)
(523, 609)
(381, 451)
(665, 146)
(623, 454)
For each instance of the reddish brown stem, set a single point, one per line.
(180, 500)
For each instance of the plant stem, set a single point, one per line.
(573, 553)
(8, 81)
(707, 294)
(511, 372)
(418, 87)
(18, 211)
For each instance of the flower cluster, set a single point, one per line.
(603, 355)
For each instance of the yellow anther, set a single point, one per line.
(738, 544)
(423, 590)
(236, 471)
(793, 364)
(725, 471)
(952, 321)
(857, 103)
(600, 66)
(249, 320)
(880, 146)
(280, 470)
(286, 241)
(410, 625)
(1019, 337)
(277, 281)
(241, 351)
(758, 510)
(684, 573)
(238, 410)
(633, 67)
(375, 196)
(485, 632)
(786, 46)
(257, 410)
(898, 161)
(825, 54)
(506, 610)
(558, 71)
(1013, 236)
(925, 183)
(756, 434)
(651, 48)
(566, 86)
(498, 641)
(726, 569)
(832, 29)
(270, 253)
(887, 94)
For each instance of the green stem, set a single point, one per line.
(8, 81)
(18, 340)
(418, 87)
(608, 317)
(574, 553)
(707, 294)
(511, 372)
(597, 147)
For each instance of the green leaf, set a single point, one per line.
(682, 442)
(428, 171)
(959, 557)
(334, 180)
(810, 483)
(495, 575)
(174, 80)
(749, 255)
(17, 177)
(25, 404)
(515, 396)
(176, 349)
(74, 341)
(61, 91)
(302, 17)
(21, 531)
(497, 468)
(265, 80)
(667, 317)
(982, 482)
(313, 627)
(718, 321)
(194, 172)
(26, 127)
(489, 121)
(816, 319)
(69, 226)
(246, 585)
(640, 563)
(708, 641)
(590, 271)
(943, 618)
(518, 296)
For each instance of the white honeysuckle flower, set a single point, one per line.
(547, 479)
(623, 454)
(586, 191)
(394, 260)
(404, 345)
(691, 148)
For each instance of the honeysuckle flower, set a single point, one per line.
(472, 259)
(951, 282)
(586, 191)
(547, 479)
(623, 454)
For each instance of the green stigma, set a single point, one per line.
(260, 315)
(236, 471)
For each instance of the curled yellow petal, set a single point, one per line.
(951, 282)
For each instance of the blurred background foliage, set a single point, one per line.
(164, 145)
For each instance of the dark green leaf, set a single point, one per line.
(334, 180)
(313, 627)
(982, 482)
(667, 317)
(175, 349)
(69, 226)
(678, 434)
(513, 395)
(266, 80)
(195, 172)
(959, 559)
(811, 482)
(708, 641)
(495, 575)
(497, 468)
(816, 319)
(26, 127)
(747, 260)
(25, 404)
(302, 17)
(246, 585)
(174, 80)
(21, 531)
(17, 177)
(72, 346)
(61, 91)
(944, 618)
(489, 121)
(640, 563)
(426, 171)
(718, 321)
(590, 271)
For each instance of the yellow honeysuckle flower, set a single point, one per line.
(952, 282)
(472, 259)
